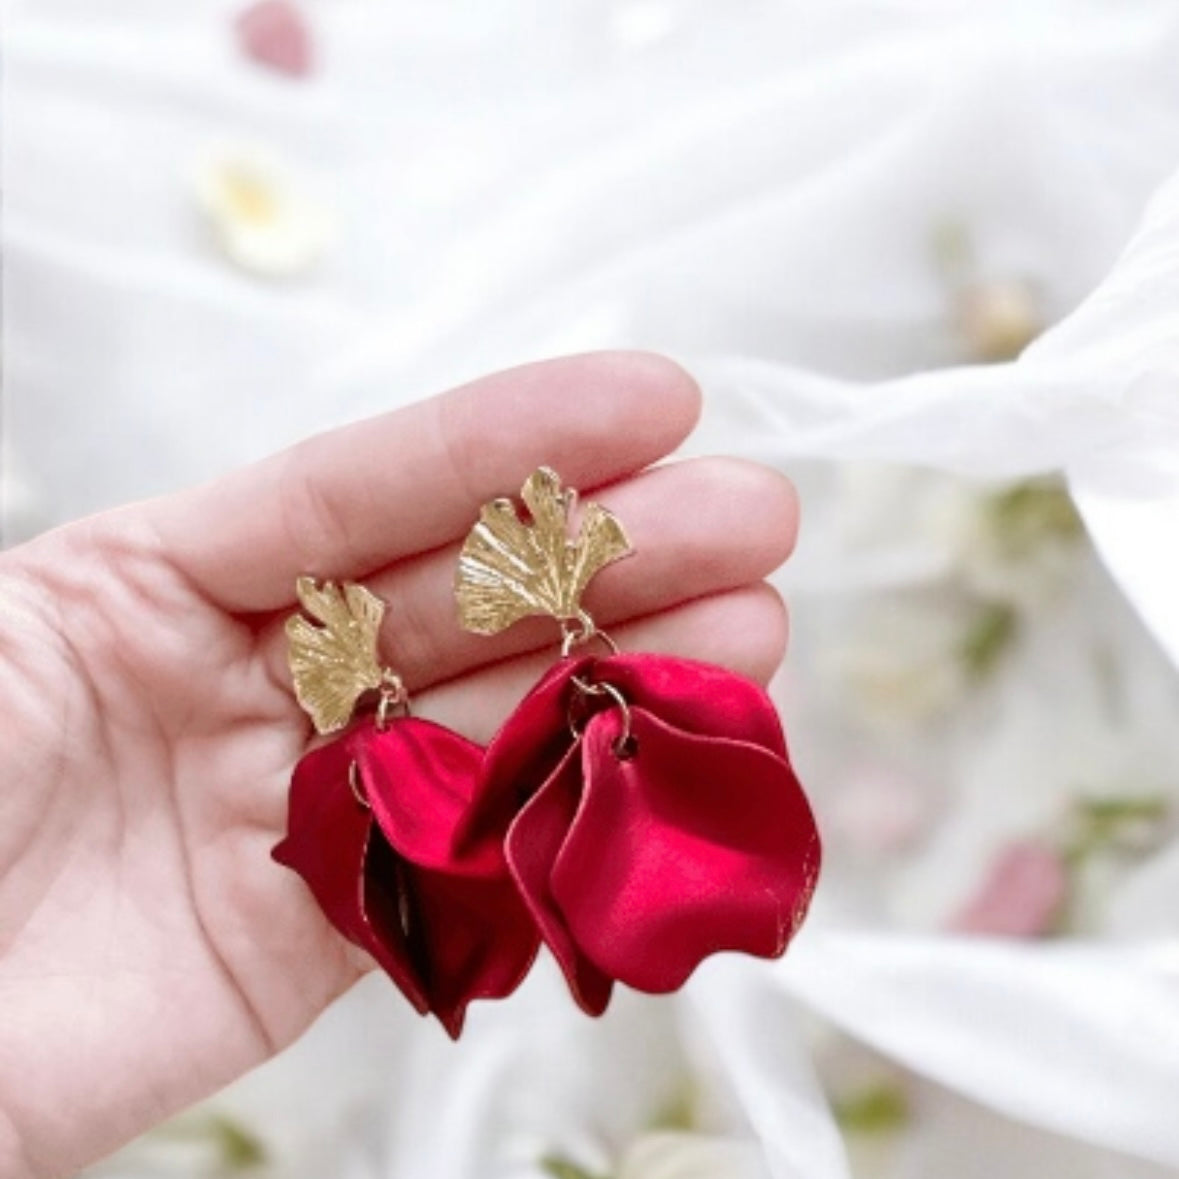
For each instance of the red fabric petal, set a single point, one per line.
(330, 842)
(447, 927)
(470, 933)
(696, 697)
(637, 869)
(531, 744)
(533, 844)
(692, 846)
(467, 938)
(419, 779)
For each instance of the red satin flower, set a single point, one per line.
(446, 923)
(638, 860)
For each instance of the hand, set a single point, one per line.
(150, 950)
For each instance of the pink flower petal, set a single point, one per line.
(1022, 895)
(880, 811)
(274, 33)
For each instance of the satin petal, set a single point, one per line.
(692, 846)
(469, 932)
(472, 938)
(419, 779)
(636, 869)
(696, 697)
(330, 843)
(533, 843)
(447, 928)
(526, 750)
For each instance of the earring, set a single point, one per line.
(374, 816)
(646, 803)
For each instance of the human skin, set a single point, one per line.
(150, 949)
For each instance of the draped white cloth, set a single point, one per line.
(756, 188)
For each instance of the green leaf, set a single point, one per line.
(679, 1112)
(239, 1148)
(1027, 514)
(560, 1168)
(988, 638)
(1113, 823)
(882, 1108)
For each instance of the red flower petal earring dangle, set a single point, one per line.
(646, 803)
(375, 816)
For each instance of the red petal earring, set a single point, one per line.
(375, 815)
(646, 803)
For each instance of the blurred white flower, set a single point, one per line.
(900, 667)
(263, 220)
(1021, 544)
(999, 318)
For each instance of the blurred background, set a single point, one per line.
(923, 256)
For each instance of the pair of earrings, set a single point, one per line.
(636, 813)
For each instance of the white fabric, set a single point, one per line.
(1018, 1028)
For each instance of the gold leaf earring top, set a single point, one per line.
(335, 663)
(513, 566)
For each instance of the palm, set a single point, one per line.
(150, 950)
(134, 878)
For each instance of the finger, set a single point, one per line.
(345, 503)
(698, 527)
(744, 630)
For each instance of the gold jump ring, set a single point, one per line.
(581, 629)
(624, 743)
